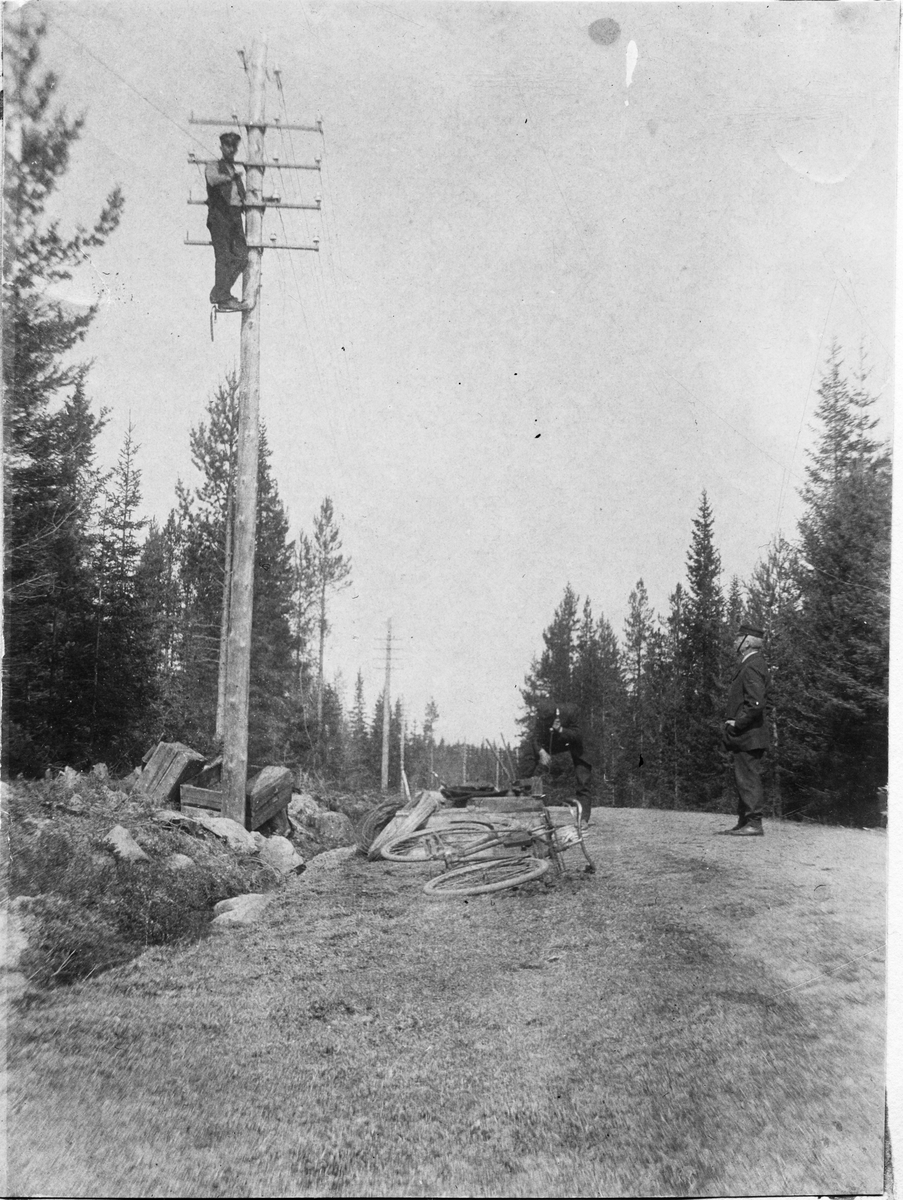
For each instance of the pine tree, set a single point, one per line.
(702, 658)
(638, 734)
(122, 695)
(841, 629)
(331, 570)
(552, 675)
(51, 482)
(773, 599)
(200, 525)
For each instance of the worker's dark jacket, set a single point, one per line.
(220, 195)
(557, 741)
(747, 699)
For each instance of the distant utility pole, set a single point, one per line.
(384, 774)
(237, 659)
(401, 732)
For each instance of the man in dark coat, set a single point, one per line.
(555, 731)
(746, 729)
(225, 201)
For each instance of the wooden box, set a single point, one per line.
(268, 793)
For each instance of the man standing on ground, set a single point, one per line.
(746, 730)
(225, 200)
(555, 731)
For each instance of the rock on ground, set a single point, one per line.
(303, 807)
(123, 845)
(235, 836)
(178, 862)
(279, 853)
(239, 911)
(330, 859)
(334, 829)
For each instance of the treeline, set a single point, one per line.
(653, 702)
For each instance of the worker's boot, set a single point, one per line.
(741, 821)
(752, 828)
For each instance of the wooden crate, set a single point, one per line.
(208, 801)
(168, 766)
(268, 793)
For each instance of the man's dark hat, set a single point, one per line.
(751, 630)
(233, 138)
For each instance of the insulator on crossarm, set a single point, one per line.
(192, 157)
(318, 159)
(317, 201)
(319, 123)
(317, 242)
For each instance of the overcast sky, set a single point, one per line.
(565, 284)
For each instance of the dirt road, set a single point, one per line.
(702, 1016)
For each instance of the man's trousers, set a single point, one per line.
(230, 250)
(749, 766)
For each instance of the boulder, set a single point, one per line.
(303, 807)
(178, 862)
(330, 859)
(123, 845)
(279, 853)
(100, 771)
(239, 911)
(333, 829)
(235, 836)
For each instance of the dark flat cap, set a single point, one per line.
(234, 138)
(751, 630)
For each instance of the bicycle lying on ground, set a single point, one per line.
(480, 856)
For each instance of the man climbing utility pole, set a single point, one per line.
(237, 658)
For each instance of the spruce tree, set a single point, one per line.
(841, 627)
(552, 675)
(702, 659)
(51, 482)
(331, 571)
(123, 693)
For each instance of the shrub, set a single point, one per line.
(90, 910)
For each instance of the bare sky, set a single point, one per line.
(550, 306)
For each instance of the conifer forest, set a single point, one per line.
(113, 622)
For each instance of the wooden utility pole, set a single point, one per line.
(241, 601)
(236, 661)
(384, 773)
(401, 732)
(224, 615)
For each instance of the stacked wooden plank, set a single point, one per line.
(407, 820)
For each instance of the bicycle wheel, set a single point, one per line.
(493, 875)
(427, 844)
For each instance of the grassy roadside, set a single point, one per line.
(692, 1019)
